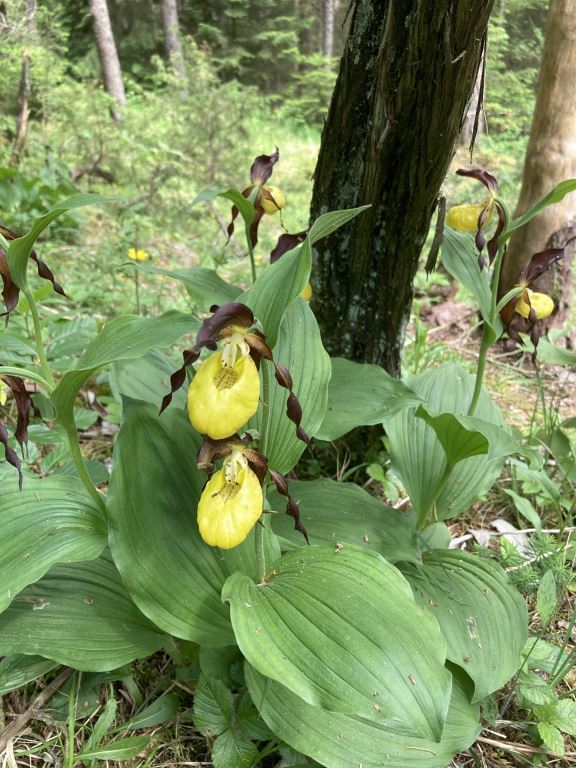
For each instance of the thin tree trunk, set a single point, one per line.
(173, 45)
(328, 29)
(405, 78)
(550, 158)
(109, 61)
(475, 115)
(23, 110)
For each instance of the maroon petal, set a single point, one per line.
(482, 176)
(292, 508)
(541, 262)
(10, 454)
(286, 243)
(262, 166)
(24, 405)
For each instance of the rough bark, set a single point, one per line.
(108, 55)
(405, 79)
(173, 44)
(328, 29)
(550, 158)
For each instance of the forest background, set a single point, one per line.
(252, 76)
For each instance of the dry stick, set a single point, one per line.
(16, 727)
(513, 746)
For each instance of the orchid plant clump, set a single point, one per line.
(361, 637)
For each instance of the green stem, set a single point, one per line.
(484, 347)
(137, 286)
(78, 459)
(46, 372)
(423, 518)
(251, 254)
(260, 554)
(263, 447)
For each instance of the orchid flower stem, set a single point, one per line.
(260, 555)
(263, 447)
(44, 365)
(488, 332)
(78, 459)
(251, 254)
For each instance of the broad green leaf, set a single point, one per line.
(534, 689)
(555, 196)
(552, 738)
(222, 663)
(233, 749)
(546, 598)
(79, 615)
(418, 457)
(172, 575)
(213, 707)
(162, 709)
(122, 749)
(341, 741)
(299, 348)
(146, 378)
(340, 629)
(361, 394)
(343, 513)
(70, 337)
(19, 669)
(125, 338)
(281, 282)
(460, 258)
(435, 536)
(19, 249)
(458, 442)
(540, 654)
(50, 521)
(205, 286)
(481, 614)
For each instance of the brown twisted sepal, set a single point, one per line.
(292, 508)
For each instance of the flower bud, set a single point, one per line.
(541, 304)
(272, 200)
(231, 504)
(224, 393)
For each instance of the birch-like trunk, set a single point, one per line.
(173, 45)
(108, 55)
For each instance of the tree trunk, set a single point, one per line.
(550, 158)
(405, 78)
(109, 61)
(173, 45)
(328, 29)
(23, 110)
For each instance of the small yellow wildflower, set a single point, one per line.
(225, 391)
(541, 303)
(231, 503)
(138, 254)
(272, 202)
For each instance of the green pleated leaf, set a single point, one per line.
(418, 456)
(361, 394)
(162, 709)
(146, 378)
(299, 348)
(125, 338)
(19, 669)
(343, 513)
(460, 258)
(340, 741)
(172, 575)
(233, 749)
(19, 249)
(281, 282)
(79, 615)
(555, 196)
(339, 628)
(50, 521)
(213, 707)
(481, 614)
(458, 442)
(204, 286)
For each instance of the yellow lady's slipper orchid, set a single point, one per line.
(231, 504)
(3, 393)
(276, 204)
(464, 218)
(225, 391)
(541, 303)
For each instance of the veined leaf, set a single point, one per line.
(79, 615)
(554, 196)
(343, 513)
(341, 741)
(340, 629)
(50, 521)
(481, 614)
(122, 749)
(204, 286)
(361, 394)
(19, 669)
